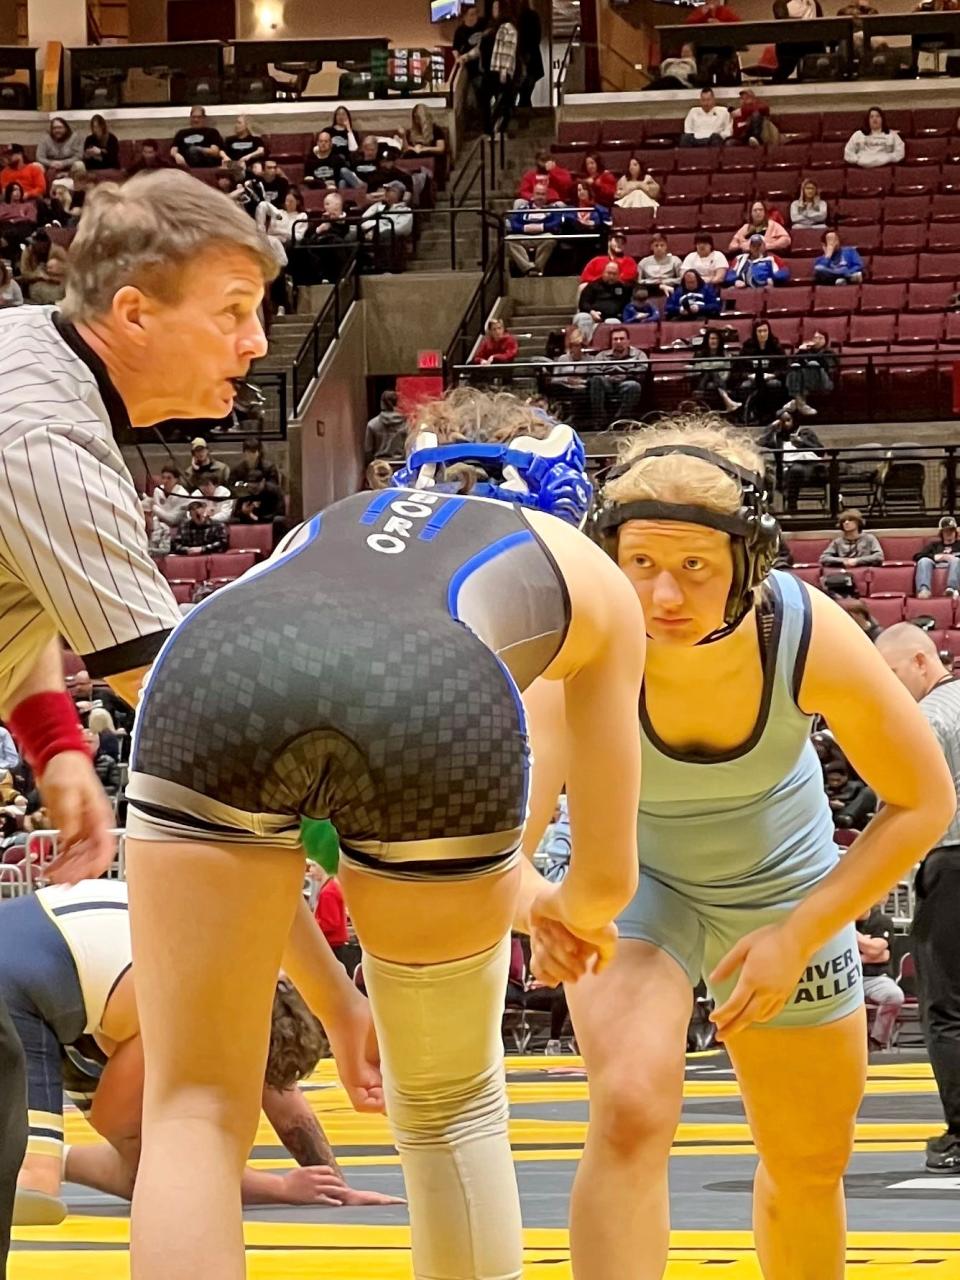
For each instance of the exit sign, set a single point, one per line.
(429, 359)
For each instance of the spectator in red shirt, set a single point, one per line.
(600, 181)
(712, 11)
(616, 252)
(747, 119)
(331, 915)
(31, 177)
(560, 186)
(498, 347)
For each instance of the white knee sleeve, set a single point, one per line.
(442, 1057)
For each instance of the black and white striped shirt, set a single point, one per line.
(73, 548)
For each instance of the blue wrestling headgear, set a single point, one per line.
(547, 475)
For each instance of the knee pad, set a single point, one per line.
(442, 1056)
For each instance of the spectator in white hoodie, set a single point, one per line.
(874, 145)
(707, 124)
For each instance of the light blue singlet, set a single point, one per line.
(731, 842)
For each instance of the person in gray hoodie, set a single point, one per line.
(60, 148)
(386, 433)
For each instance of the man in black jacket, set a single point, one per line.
(943, 550)
(604, 299)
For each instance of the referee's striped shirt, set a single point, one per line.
(73, 548)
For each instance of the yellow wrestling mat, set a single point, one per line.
(710, 1177)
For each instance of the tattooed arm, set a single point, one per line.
(298, 1128)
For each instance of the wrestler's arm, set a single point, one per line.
(298, 1128)
(886, 738)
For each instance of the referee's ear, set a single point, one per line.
(128, 310)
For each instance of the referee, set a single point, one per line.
(935, 939)
(164, 279)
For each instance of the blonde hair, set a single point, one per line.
(676, 478)
(488, 417)
(144, 234)
(100, 720)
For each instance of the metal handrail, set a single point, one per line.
(489, 288)
(333, 313)
(558, 84)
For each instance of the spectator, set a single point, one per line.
(635, 190)
(10, 293)
(244, 146)
(875, 933)
(262, 503)
(640, 309)
(692, 299)
(789, 54)
(851, 801)
(501, 78)
(276, 184)
(42, 268)
(286, 224)
(217, 497)
(711, 365)
(199, 146)
(9, 755)
(59, 147)
(852, 548)
(602, 301)
(14, 194)
(616, 252)
(585, 217)
(466, 47)
(30, 177)
(763, 362)
(342, 133)
(560, 185)
(335, 227)
(101, 148)
(839, 263)
(761, 221)
(942, 551)
(677, 73)
(711, 11)
(202, 464)
(243, 186)
(708, 262)
(498, 347)
(325, 166)
(148, 157)
(757, 268)
(391, 217)
(617, 392)
(389, 171)
(538, 219)
(571, 372)
(809, 209)
(706, 124)
(170, 497)
(600, 182)
(197, 533)
(750, 119)
(660, 268)
(331, 914)
(812, 373)
(423, 136)
(386, 434)
(252, 458)
(874, 145)
(529, 37)
(864, 619)
(379, 475)
(801, 453)
(367, 163)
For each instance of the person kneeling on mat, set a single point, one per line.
(66, 972)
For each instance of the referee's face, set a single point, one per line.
(200, 345)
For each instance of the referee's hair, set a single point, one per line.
(145, 232)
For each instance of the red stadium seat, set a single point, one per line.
(286, 147)
(801, 270)
(903, 239)
(687, 188)
(926, 151)
(893, 269)
(796, 157)
(936, 266)
(666, 133)
(912, 179)
(868, 182)
(856, 211)
(837, 126)
(952, 327)
(780, 185)
(922, 328)
(185, 568)
(677, 218)
(741, 160)
(811, 574)
(230, 564)
(746, 302)
(933, 122)
(872, 331)
(730, 187)
(788, 300)
(807, 550)
(943, 237)
(892, 580)
(929, 297)
(825, 155)
(800, 126)
(879, 297)
(633, 219)
(906, 209)
(886, 609)
(697, 160)
(950, 178)
(940, 609)
(951, 642)
(578, 135)
(715, 216)
(788, 330)
(672, 331)
(644, 336)
(833, 327)
(252, 537)
(183, 591)
(828, 299)
(945, 207)
(866, 239)
(806, 242)
(900, 548)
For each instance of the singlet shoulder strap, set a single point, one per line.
(792, 604)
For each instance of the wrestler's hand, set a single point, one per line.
(79, 809)
(771, 962)
(560, 951)
(313, 1184)
(353, 1041)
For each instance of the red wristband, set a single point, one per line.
(45, 724)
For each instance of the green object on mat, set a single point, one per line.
(321, 843)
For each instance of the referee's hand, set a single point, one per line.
(79, 809)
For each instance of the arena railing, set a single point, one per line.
(560, 80)
(489, 289)
(325, 330)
